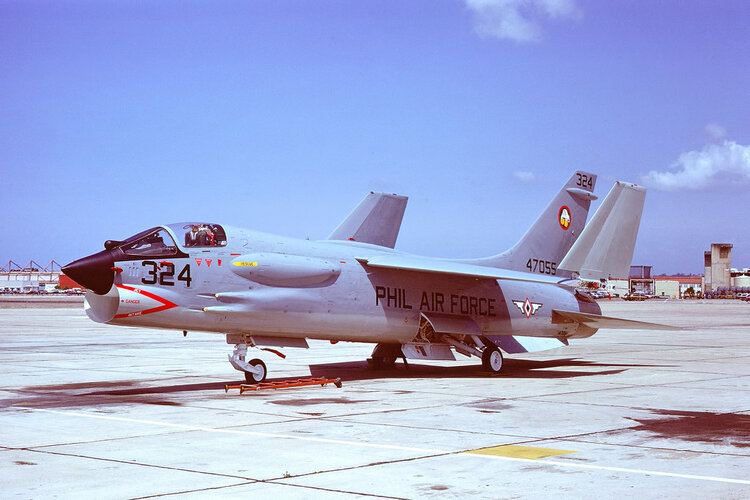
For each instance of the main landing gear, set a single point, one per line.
(384, 356)
(430, 344)
(255, 369)
(492, 359)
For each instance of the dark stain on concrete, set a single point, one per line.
(98, 394)
(489, 405)
(695, 426)
(79, 386)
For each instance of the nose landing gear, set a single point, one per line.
(255, 370)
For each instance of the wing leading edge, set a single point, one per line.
(421, 264)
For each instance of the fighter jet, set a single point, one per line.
(270, 292)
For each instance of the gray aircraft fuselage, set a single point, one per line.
(265, 284)
(266, 290)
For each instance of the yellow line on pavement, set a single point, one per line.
(520, 452)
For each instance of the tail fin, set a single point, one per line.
(554, 232)
(606, 246)
(376, 220)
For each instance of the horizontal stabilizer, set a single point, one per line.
(605, 248)
(596, 321)
(376, 220)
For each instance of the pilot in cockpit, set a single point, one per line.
(206, 235)
(192, 236)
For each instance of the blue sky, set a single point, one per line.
(279, 116)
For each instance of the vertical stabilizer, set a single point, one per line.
(376, 220)
(548, 240)
(605, 249)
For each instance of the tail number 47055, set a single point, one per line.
(542, 266)
(164, 274)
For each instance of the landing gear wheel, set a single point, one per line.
(260, 376)
(492, 359)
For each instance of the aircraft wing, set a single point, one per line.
(410, 263)
(376, 220)
(596, 321)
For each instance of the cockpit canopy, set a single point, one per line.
(155, 242)
(200, 234)
(158, 242)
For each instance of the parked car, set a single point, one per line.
(635, 296)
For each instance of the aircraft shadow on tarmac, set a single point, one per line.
(125, 392)
(512, 368)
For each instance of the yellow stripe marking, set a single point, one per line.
(245, 263)
(519, 452)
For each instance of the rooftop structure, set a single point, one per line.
(717, 265)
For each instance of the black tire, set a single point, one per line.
(492, 359)
(252, 378)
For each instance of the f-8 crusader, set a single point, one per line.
(270, 292)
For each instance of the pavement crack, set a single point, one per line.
(130, 462)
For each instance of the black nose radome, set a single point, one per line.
(94, 272)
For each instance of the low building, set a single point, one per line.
(23, 281)
(677, 286)
(617, 287)
(740, 279)
(30, 278)
(640, 280)
(673, 286)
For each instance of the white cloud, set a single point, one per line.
(518, 20)
(525, 177)
(723, 164)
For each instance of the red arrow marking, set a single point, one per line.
(165, 303)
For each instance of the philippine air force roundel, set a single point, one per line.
(564, 217)
(527, 307)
